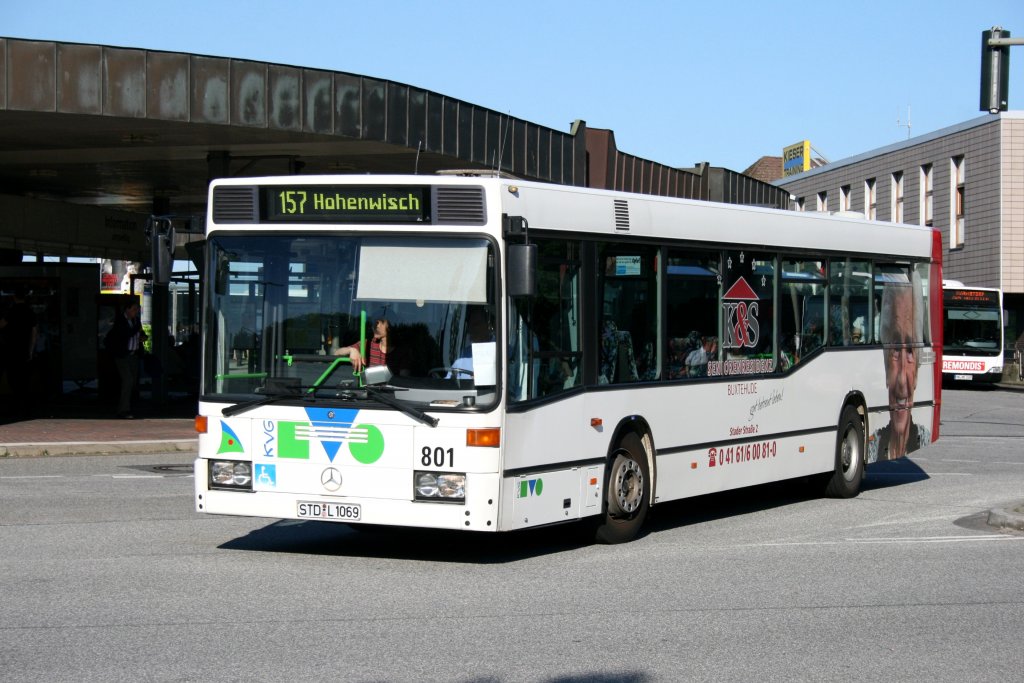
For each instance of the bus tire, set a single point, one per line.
(627, 493)
(849, 469)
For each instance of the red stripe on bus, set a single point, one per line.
(935, 297)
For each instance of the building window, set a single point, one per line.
(823, 201)
(800, 204)
(844, 198)
(896, 206)
(956, 233)
(870, 200)
(926, 196)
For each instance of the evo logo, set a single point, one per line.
(330, 428)
(530, 487)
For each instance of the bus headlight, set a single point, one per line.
(231, 474)
(440, 486)
(995, 369)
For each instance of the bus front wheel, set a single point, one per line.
(849, 470)
(627, 493)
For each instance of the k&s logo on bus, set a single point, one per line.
(741, 307)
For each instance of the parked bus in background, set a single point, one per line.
(477, 352)
(972, 333)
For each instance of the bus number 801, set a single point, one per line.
(436, 457)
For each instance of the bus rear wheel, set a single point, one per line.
(627, 493)
(849, 470)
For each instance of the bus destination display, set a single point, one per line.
(971, 296)
(345, 204)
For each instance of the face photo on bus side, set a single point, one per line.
(901, 328)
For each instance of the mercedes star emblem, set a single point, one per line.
(331, 479)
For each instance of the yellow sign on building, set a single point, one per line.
(796, 158)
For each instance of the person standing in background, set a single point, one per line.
(124, 342)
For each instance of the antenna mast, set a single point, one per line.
(906, 125)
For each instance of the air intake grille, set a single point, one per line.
(621, 215)
(457, 205)
(235, 205)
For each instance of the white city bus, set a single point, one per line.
(553, 353)
(972, 333)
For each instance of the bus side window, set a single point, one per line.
(849, 295)
(693, 308)
(895, 275)
(921, 273)
(748, 307)
(801, 311)
(630, 314)
(545, 357)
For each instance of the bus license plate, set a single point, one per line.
(332, 512)
(964, 377)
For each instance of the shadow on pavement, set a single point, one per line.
(475, 547)
(464, 547)
(882, 475)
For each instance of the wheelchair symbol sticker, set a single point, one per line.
(266, 475)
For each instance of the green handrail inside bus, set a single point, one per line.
(327, 373)
(289, 358)
(242, 375)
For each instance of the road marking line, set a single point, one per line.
(891, 541)
(946, 437)
(104, 476)
(960, 540)
(92, 443)
(936, 539)
(920, 474)
(34, 476)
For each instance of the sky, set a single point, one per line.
(678, 82)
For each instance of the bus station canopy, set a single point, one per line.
(94, 139)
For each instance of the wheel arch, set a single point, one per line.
(850, 464)
(856, 400)
(636, 424)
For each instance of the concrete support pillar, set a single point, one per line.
(160, 317)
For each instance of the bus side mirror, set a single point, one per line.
(376, 374)
(521, 270)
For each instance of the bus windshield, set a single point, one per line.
(285, 310)
(972, 327)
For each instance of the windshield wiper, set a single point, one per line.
(371, 392)
(415, 414)
(239, 408)
(308, 394)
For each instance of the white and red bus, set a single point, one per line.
(972, 333)
(554, 354)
